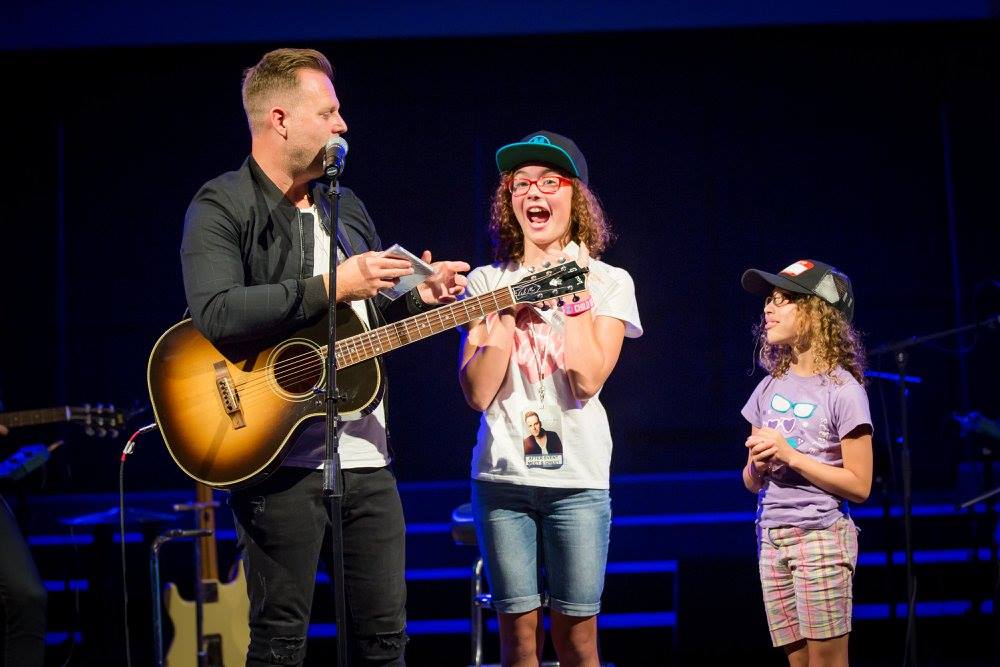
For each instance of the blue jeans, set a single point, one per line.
(522, 529)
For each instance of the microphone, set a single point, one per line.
(334, 157)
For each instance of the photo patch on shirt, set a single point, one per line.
(542, 433)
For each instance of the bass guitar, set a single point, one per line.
(229, 414)
(225, 606)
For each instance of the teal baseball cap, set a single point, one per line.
(546, 147)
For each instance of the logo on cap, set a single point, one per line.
(797, 268)
(539, 139)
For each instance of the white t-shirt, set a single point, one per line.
(362, 442)
(580, 454)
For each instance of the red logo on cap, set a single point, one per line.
(797, 268)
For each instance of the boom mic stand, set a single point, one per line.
(333, 489)
(899, 351)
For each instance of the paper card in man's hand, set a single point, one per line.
(421, 270)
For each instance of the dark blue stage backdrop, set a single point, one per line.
(872, 147)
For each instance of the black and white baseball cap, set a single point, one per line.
(806, 276)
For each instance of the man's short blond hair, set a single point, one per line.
(277, 72)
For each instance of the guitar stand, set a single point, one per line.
(154, 576)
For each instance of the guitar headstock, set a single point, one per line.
(98, 420)
(550, 283)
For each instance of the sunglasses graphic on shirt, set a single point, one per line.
(801, 410)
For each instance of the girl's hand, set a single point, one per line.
(558, 256)
(767, 445)
(582, 260)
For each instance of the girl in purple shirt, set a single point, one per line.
(809, 451)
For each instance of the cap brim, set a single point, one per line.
(511, 156)
(762, 283)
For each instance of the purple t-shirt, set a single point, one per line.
(813, 413)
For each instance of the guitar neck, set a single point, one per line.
(35, 417)
(384, 339)
(209, 564)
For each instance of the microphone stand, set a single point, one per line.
(899, 351)
(333, 489)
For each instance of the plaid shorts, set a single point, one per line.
(807, 578)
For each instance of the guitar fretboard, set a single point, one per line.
(370, 344)
(35, 417)
(209, 564)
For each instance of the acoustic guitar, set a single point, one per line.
(229, 414)
(225, 607)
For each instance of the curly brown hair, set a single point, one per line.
(823, 328)
(587, 224)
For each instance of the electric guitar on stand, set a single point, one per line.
(225, 606)
(229, 414)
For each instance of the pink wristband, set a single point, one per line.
(572, 309)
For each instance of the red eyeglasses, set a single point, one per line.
(548, 184)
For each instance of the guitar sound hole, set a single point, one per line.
(298, 369)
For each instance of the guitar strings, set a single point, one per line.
(294, 367)
(303, 365)
(346, 351)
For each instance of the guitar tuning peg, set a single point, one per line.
(563, 260)
(101, 432)
(545, 306)
(560, 302)
(576, 297)
(113, 433)
(546, 265)
(89, 431)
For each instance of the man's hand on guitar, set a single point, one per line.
(3, 430)
(446, 284)
(362, 276)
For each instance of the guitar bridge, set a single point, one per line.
(227, 392)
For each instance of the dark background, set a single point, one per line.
(874, 148)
